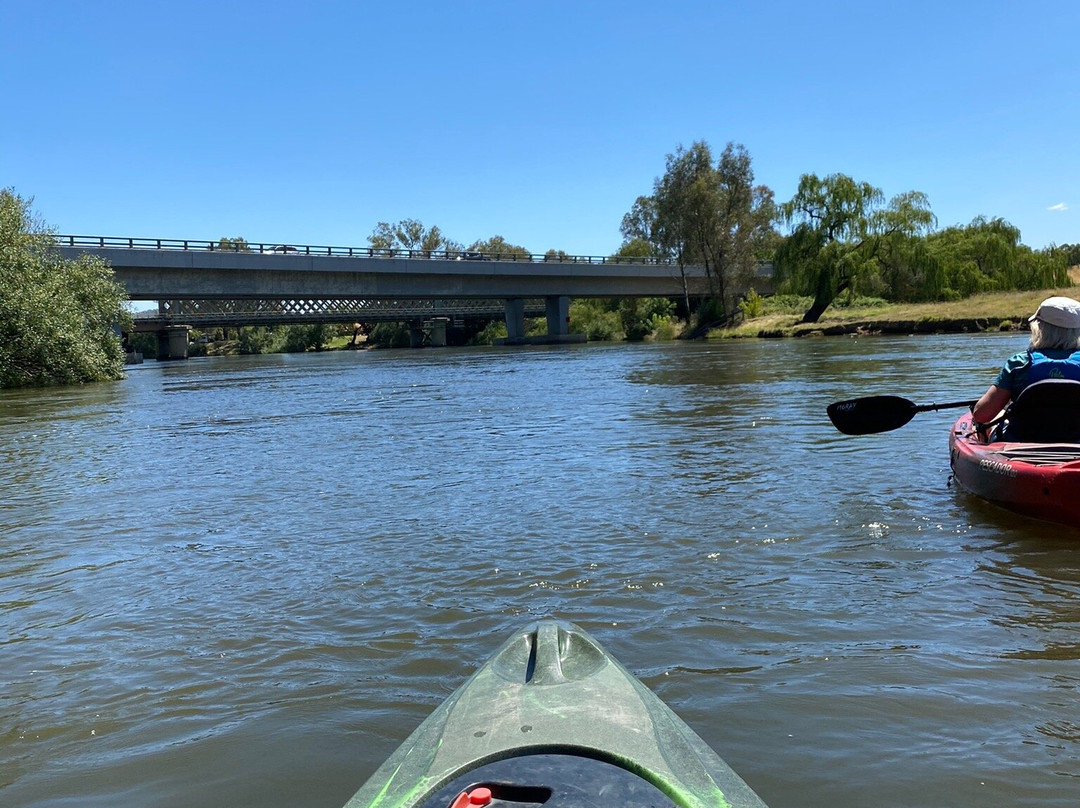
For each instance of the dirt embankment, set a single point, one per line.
(867, 327)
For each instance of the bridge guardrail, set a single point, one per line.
(103, 242)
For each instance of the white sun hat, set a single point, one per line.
(1059, 311)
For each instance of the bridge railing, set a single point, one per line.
(116, 242)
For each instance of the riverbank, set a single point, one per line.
(1002, 311)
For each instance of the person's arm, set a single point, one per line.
(991, 404)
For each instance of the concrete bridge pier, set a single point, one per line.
(172, 342)
(558, 323)
(558, 315)
(515, 321)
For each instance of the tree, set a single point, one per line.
(411, 235)
(635, 248)
(709, 215)
(683, 201)
(498, 247)
(640, 222)
(987, 256)
(300, 338)
(840, 229)
(237, 244)
(59, 319)
(743, 229)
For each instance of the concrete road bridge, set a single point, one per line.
(203, 283)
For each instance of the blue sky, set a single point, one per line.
(541, 122)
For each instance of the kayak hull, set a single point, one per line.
(1041, 480)
(552, 690)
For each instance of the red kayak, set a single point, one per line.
(1035, 479)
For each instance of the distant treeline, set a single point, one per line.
(835, 237)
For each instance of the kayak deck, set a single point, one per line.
(1041, 480)
(551, 690)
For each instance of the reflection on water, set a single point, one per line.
(243, 581)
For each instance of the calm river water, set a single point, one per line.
(243, 581)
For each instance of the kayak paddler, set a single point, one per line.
(1053, 353)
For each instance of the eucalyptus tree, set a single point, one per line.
(635, 248)
(236, 244)
(743, 229)
(498, 247)
(638, 224)
(683, 202)
(840, 230)
(706, 214)
(410, 234)
(58, 317)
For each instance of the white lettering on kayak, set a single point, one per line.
(997, 467)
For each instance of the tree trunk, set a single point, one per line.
(685, 290)
(813, 314)
(824, 297)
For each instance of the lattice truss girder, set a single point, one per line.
(286, 310)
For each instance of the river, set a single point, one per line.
(243, 581)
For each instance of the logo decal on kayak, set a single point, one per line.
(997, 467)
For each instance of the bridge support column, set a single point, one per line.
(172, 342)
(558, 315)
(438, 331)
(515, 320)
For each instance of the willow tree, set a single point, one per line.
(58, 317)
(840, 230)
(987, 255)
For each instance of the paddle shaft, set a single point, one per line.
(949, 406)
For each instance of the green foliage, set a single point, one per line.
(144, 343)
(1069, 252)
(410, 235)
(300, 338)
(495, 329)
(987, 256)
(236, 244)
(498, 247)
(612, 318)
(710, 313)
(712, 215)
(844, 234)
(663, 328)
(258, 339)
(752, 305)
(57, 317)
(640, 222)
(596, 319)
(797, 304)
(635, 248)
(389, 335)
(640, 317)
(634, 325)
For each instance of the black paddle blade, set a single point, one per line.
(870, 415)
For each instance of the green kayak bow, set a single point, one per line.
(552, 719)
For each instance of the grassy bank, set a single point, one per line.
(1003, 311)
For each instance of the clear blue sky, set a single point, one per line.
(542, 122)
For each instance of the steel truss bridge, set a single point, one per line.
(203, 314)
